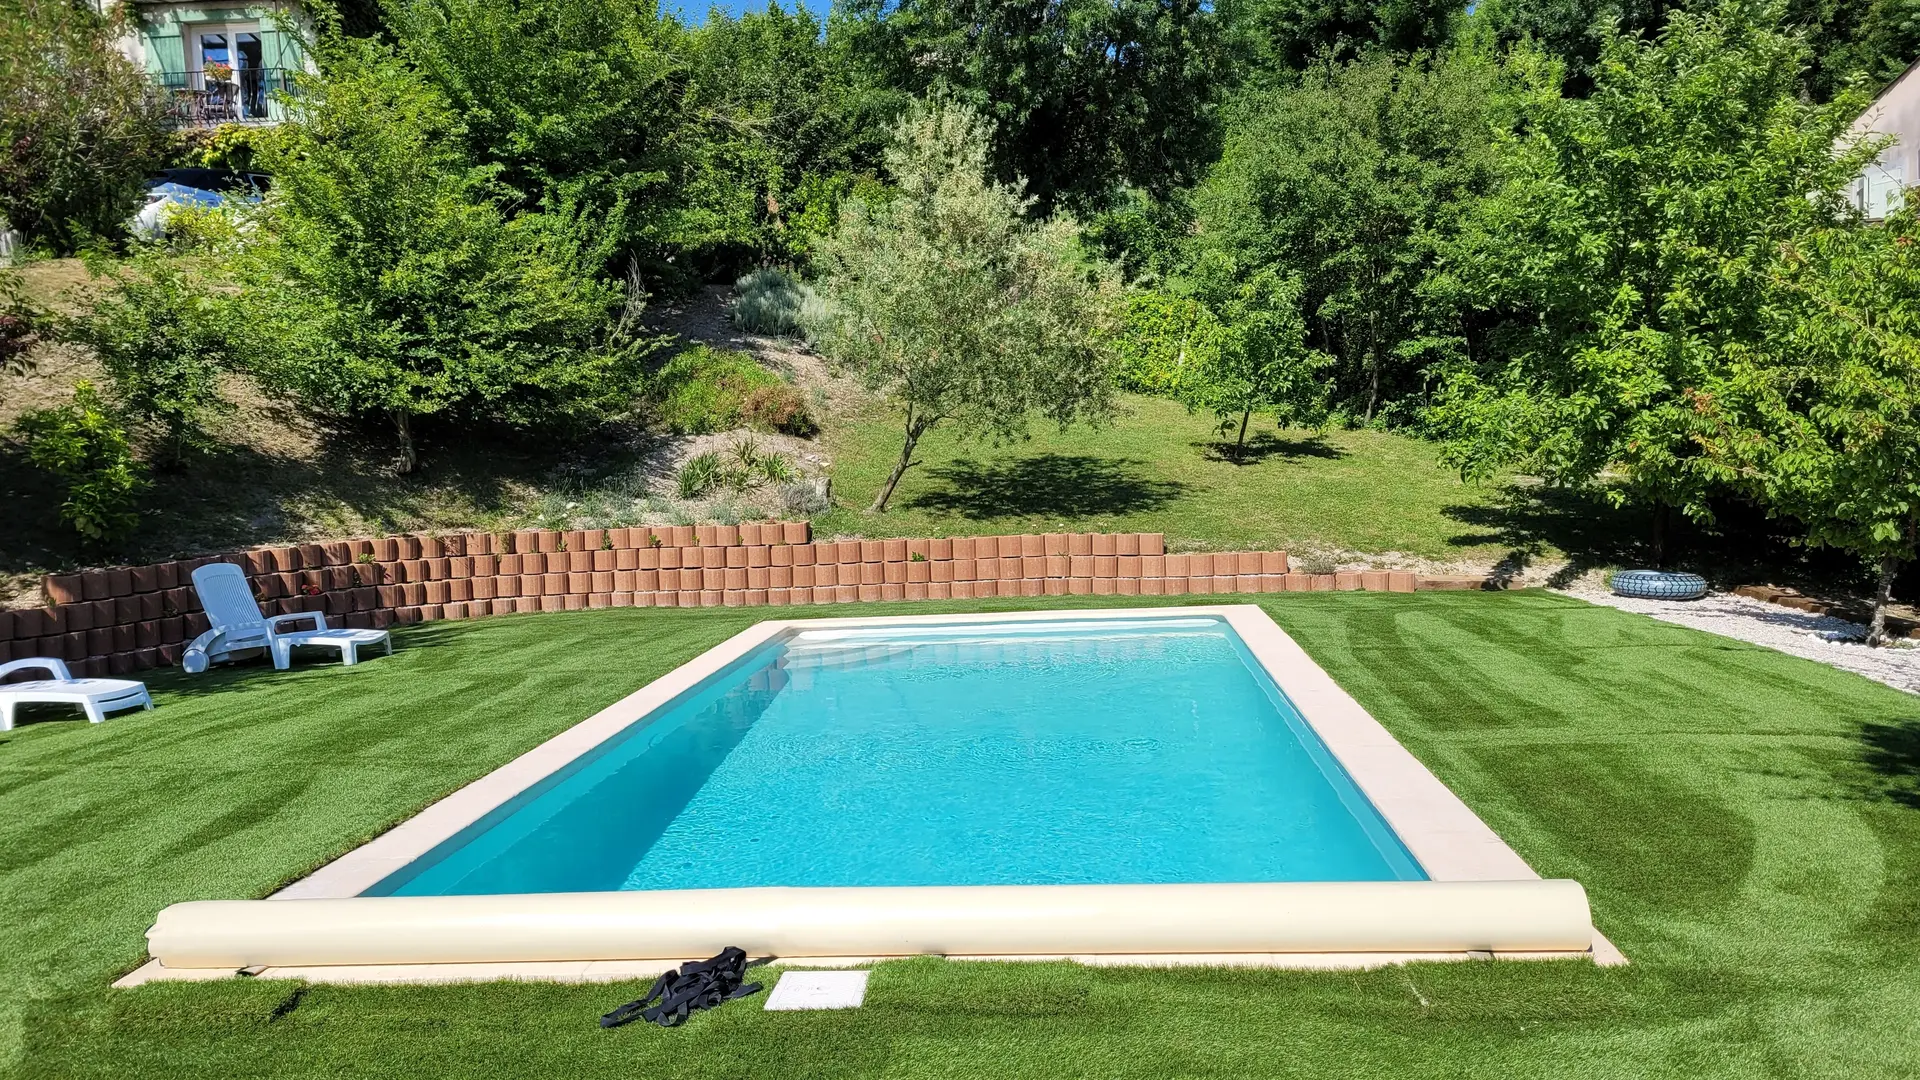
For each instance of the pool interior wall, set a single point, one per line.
(1134, 751)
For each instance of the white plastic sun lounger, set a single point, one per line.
(238, 625)
(97, 696)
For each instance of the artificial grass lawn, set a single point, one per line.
(1159, 469)
(1747, 825)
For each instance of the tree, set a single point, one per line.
(1262, 363)
(797, 120)
(1573, 31)
(1282, 36)
(389, 282)
(1356, 179)
(948, 301)
(581, 105)
(80, 126)
(1619, 257)
(1823, 422)
(161, 334)
(1085, 96)
(1847, 39)
(1873, 40)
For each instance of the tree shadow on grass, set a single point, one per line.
(1530, 519)
(1892, 751)
(1266, 444)
(1057, 485)
(1741, 546)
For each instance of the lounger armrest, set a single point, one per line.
(319, 620)
(46, 663)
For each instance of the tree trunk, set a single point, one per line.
(915, 429)
(1882, 596)
(1662, 520)
(403, 427)
(1240, 447)
(1373, 386)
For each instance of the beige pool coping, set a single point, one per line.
(1448, 839)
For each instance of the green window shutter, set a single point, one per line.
(166, 55)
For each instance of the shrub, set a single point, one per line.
(84, 444)
(80, 126)
(773, 469)
(771, 301)
(703, 390)
(803, 498)
(778, 408)
(746, 453)
(229, 146)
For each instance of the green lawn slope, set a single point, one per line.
(1158, 468)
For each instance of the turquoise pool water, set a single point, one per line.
(1082, 752)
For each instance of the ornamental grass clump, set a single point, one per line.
(771, 301)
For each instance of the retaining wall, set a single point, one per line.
(117, 621)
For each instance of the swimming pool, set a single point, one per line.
(1069, 752)
(1176, 784)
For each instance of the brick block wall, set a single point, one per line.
(111, 622)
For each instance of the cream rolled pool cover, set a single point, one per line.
(1319, 917)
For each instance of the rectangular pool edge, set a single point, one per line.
(1448, 839)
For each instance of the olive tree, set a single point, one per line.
(944, 298)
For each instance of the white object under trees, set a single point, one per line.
(97, 697)
(238, 626)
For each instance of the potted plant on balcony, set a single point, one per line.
(218, 72)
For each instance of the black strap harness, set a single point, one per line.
(698, 984)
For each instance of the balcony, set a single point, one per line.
(251, 96)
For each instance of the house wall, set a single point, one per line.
(1897, 113)
(164, 28)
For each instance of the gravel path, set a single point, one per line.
(1798, 633)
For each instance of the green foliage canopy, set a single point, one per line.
(1822, 423)
(391, 283)
(1262, 363)
(1355, 179)
(1164, 338)
(1085, 96)
(1623, 253)
(164, 336)
(1290, 35)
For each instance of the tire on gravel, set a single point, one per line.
(1658, 585)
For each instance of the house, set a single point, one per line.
(1896, 112)
(221, 63)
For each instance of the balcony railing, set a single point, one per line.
(250, 96)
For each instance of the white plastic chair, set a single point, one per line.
(97, 696)
(238, 626)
